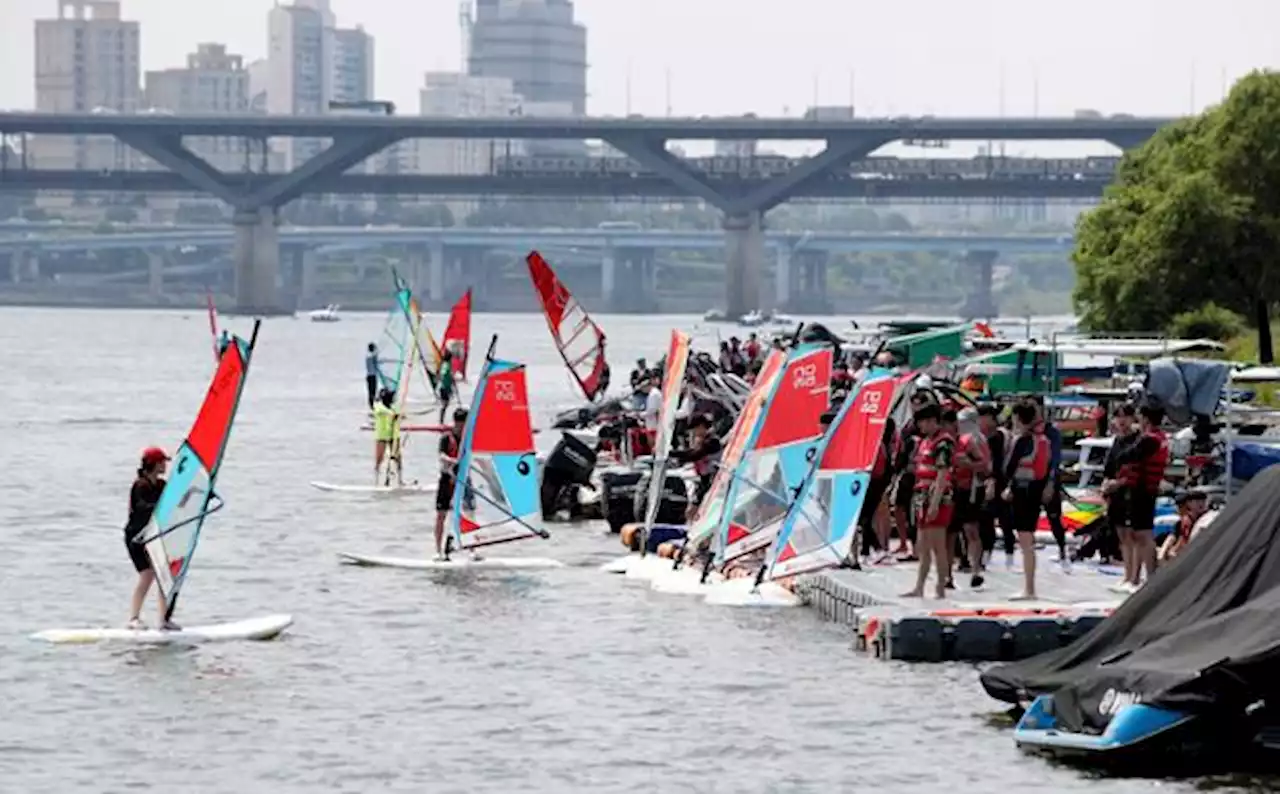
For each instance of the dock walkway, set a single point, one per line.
(982, 625)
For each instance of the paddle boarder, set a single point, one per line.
(371, 374)
(386, 435)
(450, 445)
(143, 497)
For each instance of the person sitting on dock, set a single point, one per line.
(1027, 474)
(932, 501)
(1191, 506)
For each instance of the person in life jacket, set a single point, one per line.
(873, 522)
(972, 471)
(1191, 506)
(1116, 481)
(450, 446)
(1027, 474)
(1052, 497)
(1140, 469)
(703, 452)
(904, 486)
(143, 497)
(386, 438)
(932, 503)
(995, 510)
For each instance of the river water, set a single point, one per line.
(550, 681)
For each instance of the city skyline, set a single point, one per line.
(945, 60)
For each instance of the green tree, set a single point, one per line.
(1193, 219)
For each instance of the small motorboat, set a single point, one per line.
(778, 318)
(714, 316)
(752, 319)
(328, 314)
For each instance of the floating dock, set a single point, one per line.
(969, 625)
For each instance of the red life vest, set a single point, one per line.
(978, 467)
(1033, 466)
(1151, 471)
(926, 466)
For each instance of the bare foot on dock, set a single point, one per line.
(1023, 597)
(913, 594)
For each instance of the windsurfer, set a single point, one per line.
(386, 434)
(444, 381)
(224, 341)
(143, 497)
(932, 500)
(371, 374)
(450, 445)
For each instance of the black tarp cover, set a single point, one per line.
(1203, 634)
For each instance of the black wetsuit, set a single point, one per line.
(142, 503)
(701, 456)
(449, 445)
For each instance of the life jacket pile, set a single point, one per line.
(1146, 475)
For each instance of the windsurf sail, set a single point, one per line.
(820, 526)
(213, 325)
(672, 386)
(779, 454)
(189, 497)
(496, 499)
(457, 335)
(578, 339)
(707, 519)
(401, 342)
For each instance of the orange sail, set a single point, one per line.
(577, 337)
(457, 335)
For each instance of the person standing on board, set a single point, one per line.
(450, 446)
(1027, 474)
(224, 341)
(371, 374)
(444, 382)
(143, 497)
(932, 500)
(386, 437)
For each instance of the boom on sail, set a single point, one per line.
(189, 498)
(578, 339)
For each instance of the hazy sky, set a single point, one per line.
(943, 57)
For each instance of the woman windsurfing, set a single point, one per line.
(143, 497)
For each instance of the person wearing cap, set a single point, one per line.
(450, 446)
(386, 436)
(932, 499)
(143, 497)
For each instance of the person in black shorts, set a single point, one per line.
(873, 537)
(450, 445)
(143, 497)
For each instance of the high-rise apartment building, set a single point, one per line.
(351, 69)
(213, 82)
(536, 44)
(87, 61)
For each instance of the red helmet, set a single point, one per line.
(153, 455)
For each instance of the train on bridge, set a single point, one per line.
(768, 166)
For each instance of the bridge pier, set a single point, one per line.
(256, 259)
(744, 262)
(302, 275)
(634, 277)
(156, 261)
(607, 276)
(981, 303)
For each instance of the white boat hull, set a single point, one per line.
(262, 628)
(461, 561)
(386, 490)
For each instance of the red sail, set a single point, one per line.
(457, 334)
(579, 340)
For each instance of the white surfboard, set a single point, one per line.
(262, 628)
(459, 562)
(742, 593)
(619, 565)
(409, 488)
(647, 567)
(685, 581)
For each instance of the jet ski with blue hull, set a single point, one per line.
(1183, 674)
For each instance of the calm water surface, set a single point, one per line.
(566, 680)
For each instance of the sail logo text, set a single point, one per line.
(504, 391)
(872, 405)
(1112, 701)
(805, 377)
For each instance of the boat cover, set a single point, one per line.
(1202, 635)
(1187, 387)
(1247, 459)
